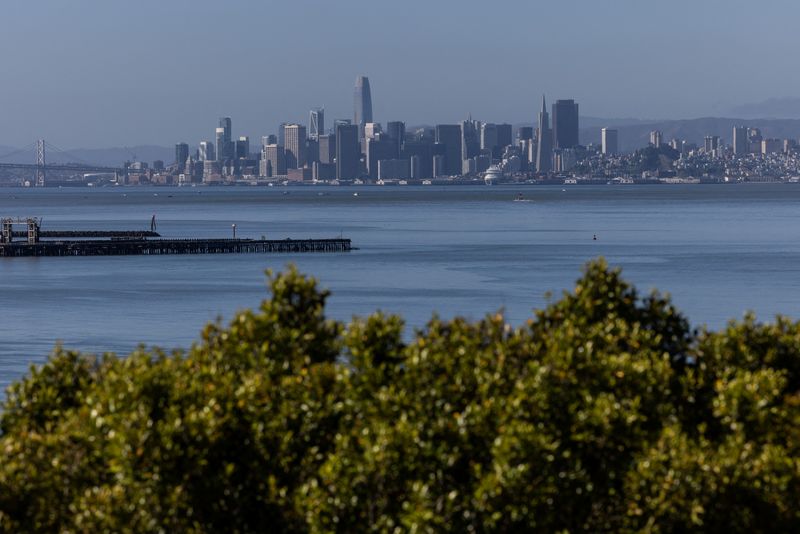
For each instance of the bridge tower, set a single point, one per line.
(40, 163)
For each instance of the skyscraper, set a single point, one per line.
(316, 123)
(206, 152)
(609, 139)
(741, 142)
(362, 104)
(272, 161)
(565, 124)
(544, 145)
(219, 141)
(348, 152)
(327, 149)
(181, 155)
(228, 146)
(504, 138)
(449, 137)
(295, 139)
(396, 130)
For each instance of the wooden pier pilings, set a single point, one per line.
(118, 247)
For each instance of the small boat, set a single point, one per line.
(355, 194)
(521, 198)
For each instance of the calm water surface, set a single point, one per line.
(719, 250)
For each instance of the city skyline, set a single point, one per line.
(84, 80)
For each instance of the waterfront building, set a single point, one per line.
(362, 103)
(316, 123)
(181, 155)
(565, 124)
(348, 152)
(741, 143)
(544, 142)
(449, 137)
(393, 169)
(609, 140)
(295, 145)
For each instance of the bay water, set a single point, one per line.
(719, 250)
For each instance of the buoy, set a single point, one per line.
(594, 237)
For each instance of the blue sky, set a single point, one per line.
(97, 73)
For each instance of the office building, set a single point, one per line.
(327, 149)
(243, 147)
(228, 146)
(504, 138)
(273, 162)
(348, 152)
(295, 145)
(181, 155)
(378, 147)
(394, 169)
(544, 143)
(470, 139)
(525, 133)
(316, 123)
(449, 137)
(219, 142)
(711, 144)
(488, 136)
(565, 124)
(609, 140)
(771, 146)
(420, 153)
(396, 131)
(206, 151)
(270, 139)
(362, 104)
(741, 142)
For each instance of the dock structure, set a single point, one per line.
(142, 243)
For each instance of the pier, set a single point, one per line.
(85, 243)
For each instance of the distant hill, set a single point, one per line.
(784, 108)
(111, 157)
(633, 136)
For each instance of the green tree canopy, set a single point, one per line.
(605, 411)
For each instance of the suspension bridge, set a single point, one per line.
(39, 167)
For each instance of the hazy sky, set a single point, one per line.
(99, 73)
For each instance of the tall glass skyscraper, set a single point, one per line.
(316, 123)
(565, 124)
(362, 104)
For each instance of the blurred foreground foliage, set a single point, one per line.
(605, 412)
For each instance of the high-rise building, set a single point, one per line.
(181, 155)
(316, 123)
(470, 139)
(525, 133)
(379, 147)
(243, 147)
(348, 152)
(371, 129)
(396, 130)
(270, 139)
(544, 145)
(565, 124)
(228, 146)
(421, 155)
(206, 151)
(504, 138)
(711, 144)
(219, 141)
(656, 138)
(741, 143)
(327, 149)
(273, 162)
(282, 134)
(449, 136)
(295, 145)
(609, 140)
(362, 104)
(488, 136)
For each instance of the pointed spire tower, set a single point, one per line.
(544, 143)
